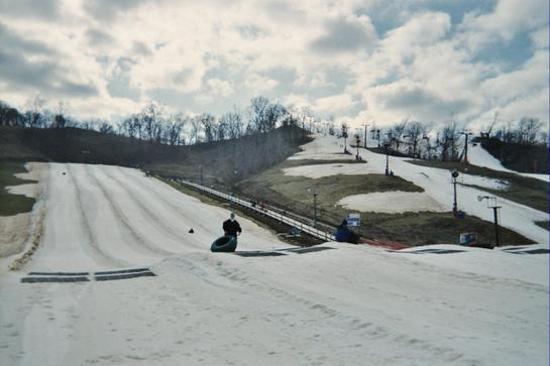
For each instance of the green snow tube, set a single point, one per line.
(224, 244)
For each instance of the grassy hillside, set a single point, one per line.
(12, 204)
(296, 194)
(222, 161)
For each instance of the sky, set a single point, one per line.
(370, 61)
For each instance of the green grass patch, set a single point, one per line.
(12, 204)
(523, 190)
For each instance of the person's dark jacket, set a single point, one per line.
(231, 227)
(345, 235)
(342, 233)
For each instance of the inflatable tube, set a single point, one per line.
(224, 244)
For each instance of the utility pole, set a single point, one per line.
(366, 135)
(454, 175)
(495, 214)
(386, 147)
(314, 209)
(492, 203)
(466, 133)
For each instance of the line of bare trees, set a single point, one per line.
(153, 124)
(446, 142)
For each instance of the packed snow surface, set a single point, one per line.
(351, 305)
(391, 202)
(477, 155)
(435, 182)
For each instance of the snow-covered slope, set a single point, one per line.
(350, 305)
(436, 183)
(477, 155)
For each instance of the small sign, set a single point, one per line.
(354, 219)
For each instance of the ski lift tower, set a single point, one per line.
(492, 203)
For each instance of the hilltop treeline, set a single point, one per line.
(430, 141)
(153, 124)
(446, 142)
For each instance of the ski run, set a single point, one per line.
(350, 305)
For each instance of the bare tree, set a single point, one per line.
(59, 119)
(208, 124)
(396, 133)
(106, 127)
(448, 140)
(33, 115)
(9, 116)
(195, 131)
(151, 122)
(174, 130)
(489, 129)
(528, 130)
(222, 130)
(234, 124)
(414, 132)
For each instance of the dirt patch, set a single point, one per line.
(13, 233)
(17, 230)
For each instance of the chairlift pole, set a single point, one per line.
(466, 145)
(495, 213)
(315, 210)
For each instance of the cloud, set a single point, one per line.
(43, 9)
(334, 104)
(406, 99)
(283, 11)
(219, 87)
(108, 10)
(29, 65)
(354, 59)
(98, 37)
(259, 84)
(249, 31)
(509, 18)
(346, 35)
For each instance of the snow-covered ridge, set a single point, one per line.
(435, 182)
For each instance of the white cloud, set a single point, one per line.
(333, 104)
(219, 87)
(509, 18)
(333, 57)
(540, 37)
(258, 84)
